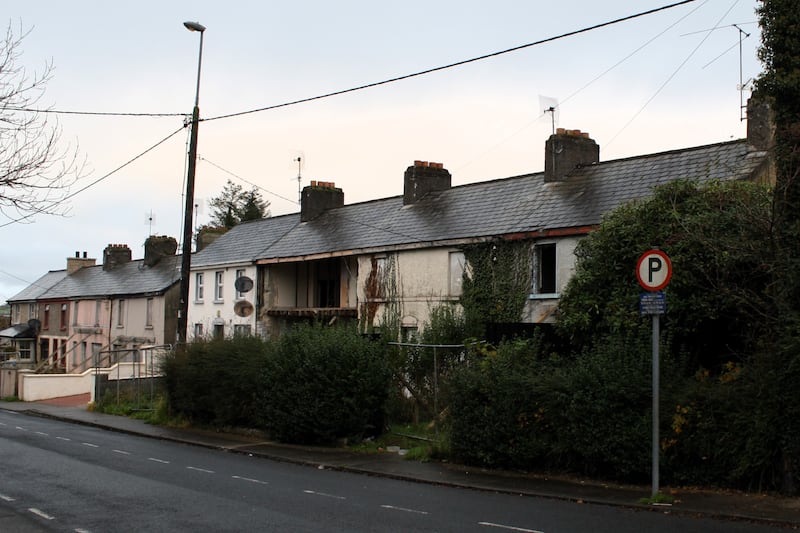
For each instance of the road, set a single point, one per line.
(56, 476)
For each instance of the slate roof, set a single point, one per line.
(41, 285)
(480, 210)
(129, 279)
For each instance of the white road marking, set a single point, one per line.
(90, 445)
(79, 530)
(37, 512)
(42, 433)
(325, 495)
(6, 498)
(199, 469)
(158, 460)
(511, 528)
(251, 480)
(2, 424)
(63, 438)
(123, 452)
(21, 428)
(404, 509)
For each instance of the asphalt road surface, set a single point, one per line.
(56, 476)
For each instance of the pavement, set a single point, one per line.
(725, 505)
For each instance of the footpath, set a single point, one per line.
(724, 505)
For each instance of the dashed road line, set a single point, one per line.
(122, 452)
(90, 445)
(199, 469)
(510, 528)
(21, 428)
(41, 514)
(158, 460)
(42, 433)
(325, 495)
(404, 509)
(6, 498)
(63, 438)
(251, 480)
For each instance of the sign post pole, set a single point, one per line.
(654, 270)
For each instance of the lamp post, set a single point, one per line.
(186, 253)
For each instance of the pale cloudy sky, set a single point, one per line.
(659, 82)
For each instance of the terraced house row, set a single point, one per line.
(334, 261)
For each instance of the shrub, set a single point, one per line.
(322, 384)
(216, 381)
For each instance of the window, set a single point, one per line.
(46, 321)
(17, 308)
(32, 311)
(219, 331)
(75, 313)
(120, 313)
(241, 330)
(219, 278)
(544, 269)
(148, 320)
(97, 306)
(457, 262)
(239, 274)
(198, 287)
(63, 317)
(198, 330)
(25, 349)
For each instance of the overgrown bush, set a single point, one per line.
(216, 381)
(322, 384)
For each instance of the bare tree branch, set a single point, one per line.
(36, 170)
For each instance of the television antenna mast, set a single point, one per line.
(299, 158)
(149, 219)
(548, 104)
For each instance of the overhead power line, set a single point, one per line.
(374, 84)
(456, 64)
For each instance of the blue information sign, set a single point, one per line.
(652, 303)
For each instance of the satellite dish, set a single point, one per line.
(243, 308)
(243, 284)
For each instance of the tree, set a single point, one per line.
(234, 205)
(719, 306)
(35, 170)
(780, 82)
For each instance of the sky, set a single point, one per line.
(663, 81)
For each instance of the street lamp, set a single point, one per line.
(186, 253)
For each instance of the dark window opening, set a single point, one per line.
(546, 269)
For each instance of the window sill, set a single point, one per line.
(219, 302)
(545, 296)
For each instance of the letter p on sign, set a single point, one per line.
(654, 270)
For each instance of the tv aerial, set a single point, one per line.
(547, 105)
(299, 158)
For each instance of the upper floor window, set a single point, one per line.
(32, 311)
(148, 321)
(75, 313)
(46, 321)
(17, 308)
(97, 307)
(457, 265)
(544, 269)
(219, 278)
(198, 287)
(63, 316)
(239, 274)
(120, 313)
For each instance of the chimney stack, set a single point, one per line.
(319, 197)
(760, 122)
(115, 255)
(76, 263)
(157, 247)
(567, 150)
(423, 178)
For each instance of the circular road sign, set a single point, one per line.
(654, 270)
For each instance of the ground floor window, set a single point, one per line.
(241, 330)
